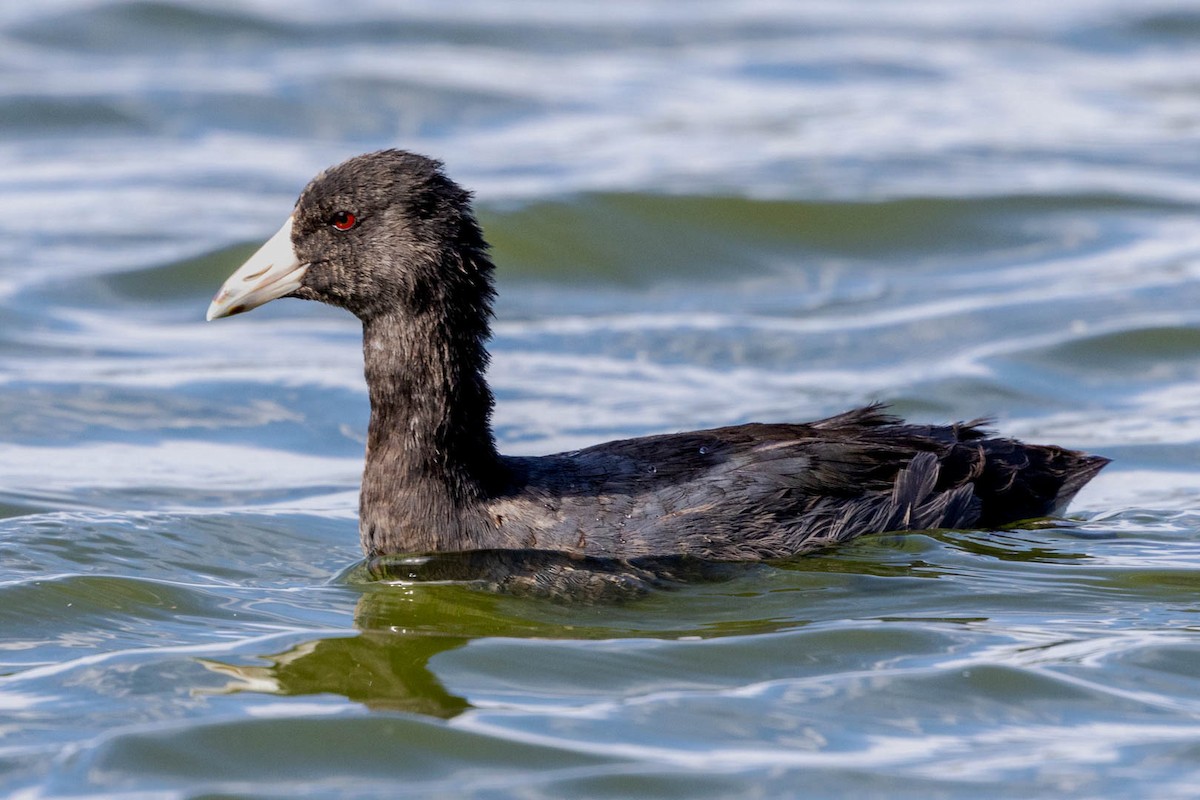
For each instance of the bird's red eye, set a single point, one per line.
(343, 220)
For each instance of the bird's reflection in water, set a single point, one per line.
(383, 671)
(414, 608)
(552, 575)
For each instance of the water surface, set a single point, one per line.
(703, 214)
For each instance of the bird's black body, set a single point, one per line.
(413, 266)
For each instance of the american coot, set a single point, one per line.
(390, 238)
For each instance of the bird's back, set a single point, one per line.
(774, 490)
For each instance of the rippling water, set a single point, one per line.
(703, 213)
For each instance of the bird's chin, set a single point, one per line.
(273, 271)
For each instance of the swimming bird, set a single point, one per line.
(390, 238)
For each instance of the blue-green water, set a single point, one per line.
(703, 213)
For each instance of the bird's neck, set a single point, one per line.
(431, 456)
(430, 404)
